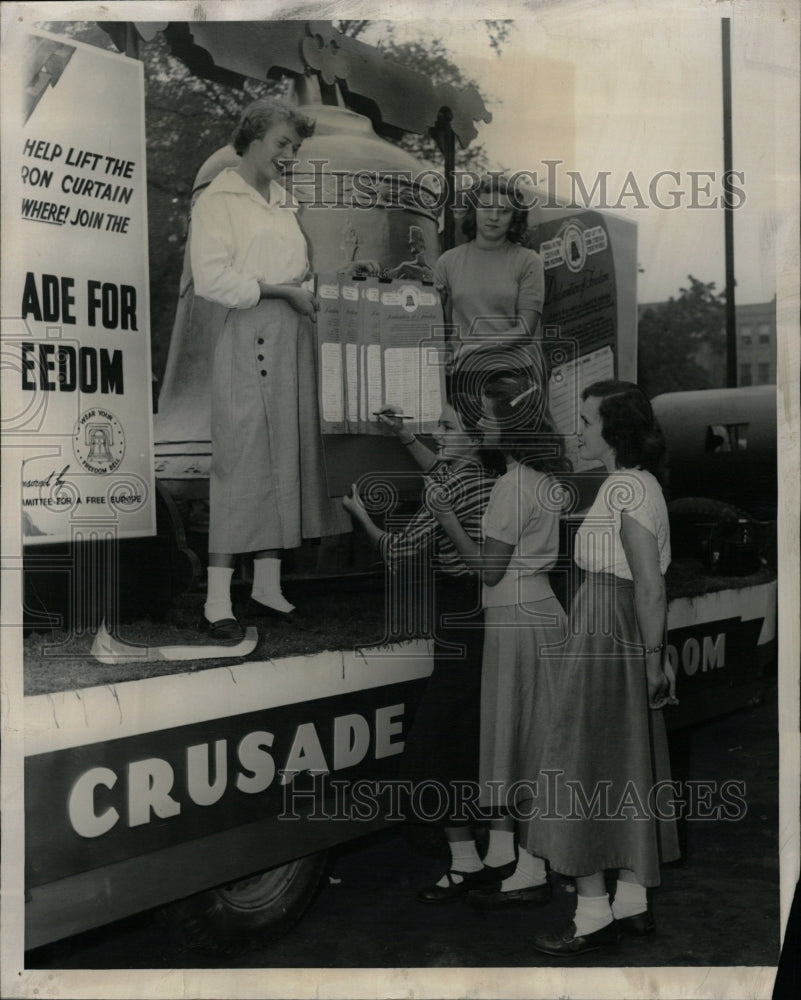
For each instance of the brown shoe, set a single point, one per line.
(566, 943)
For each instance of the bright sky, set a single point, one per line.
(635, 89)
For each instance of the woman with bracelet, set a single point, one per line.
(604, 798)
(442, 745)
(267, 481)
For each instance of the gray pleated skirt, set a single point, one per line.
(604, 797)
(514, 707)
(267, 482)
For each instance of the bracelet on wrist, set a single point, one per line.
(407, 444)
(654, 649)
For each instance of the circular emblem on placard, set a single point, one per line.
(409, 298)
(575, 250)
(98, 441)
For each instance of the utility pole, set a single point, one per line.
(728, 210)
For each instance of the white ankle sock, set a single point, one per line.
(501, 848)
(592, 913)
(530, 871)
(218, 594)
(267, 584)
(464, 858)
(630, 899)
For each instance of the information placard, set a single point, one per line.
(330, 355)
(372, 380)
(76, 378)
(580, 285)
(376, 347)
(410, 313)
(566, 384)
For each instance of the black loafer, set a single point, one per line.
(566, 943)
(491, 876)
(226, 630)
(492, 898)
(638, 925)
(255, 609)
(453, 890)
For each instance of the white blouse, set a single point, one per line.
(598, 547)
(238, 239)
(522, 512)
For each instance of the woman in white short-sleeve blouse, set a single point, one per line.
(608, 683)
(522, 620)
(598, 543)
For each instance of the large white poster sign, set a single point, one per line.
(76, 375)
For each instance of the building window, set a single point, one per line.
(746, 338)
(764, 338)
(745, 375)
(764, 328)
(746, 329)
(763, 373)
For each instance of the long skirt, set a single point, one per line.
(514, 708)
(604, 794)
(441, 749)
(267, 482)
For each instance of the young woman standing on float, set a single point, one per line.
(267, 481)
(492, 289)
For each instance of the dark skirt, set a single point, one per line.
(604, 797)
(442, 746)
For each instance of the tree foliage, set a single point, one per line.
(674, 337)
(432, 59)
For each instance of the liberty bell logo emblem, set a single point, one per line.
(98, 439)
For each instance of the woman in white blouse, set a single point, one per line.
(267, 482)
(605, 798)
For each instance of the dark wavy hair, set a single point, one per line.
(494, 184)
(528, 435)
(629, 425)
(260, 116)
(491, 459)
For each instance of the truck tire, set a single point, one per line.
(248, 913)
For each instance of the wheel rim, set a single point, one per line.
(261, 889)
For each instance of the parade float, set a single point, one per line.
(208, 786)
